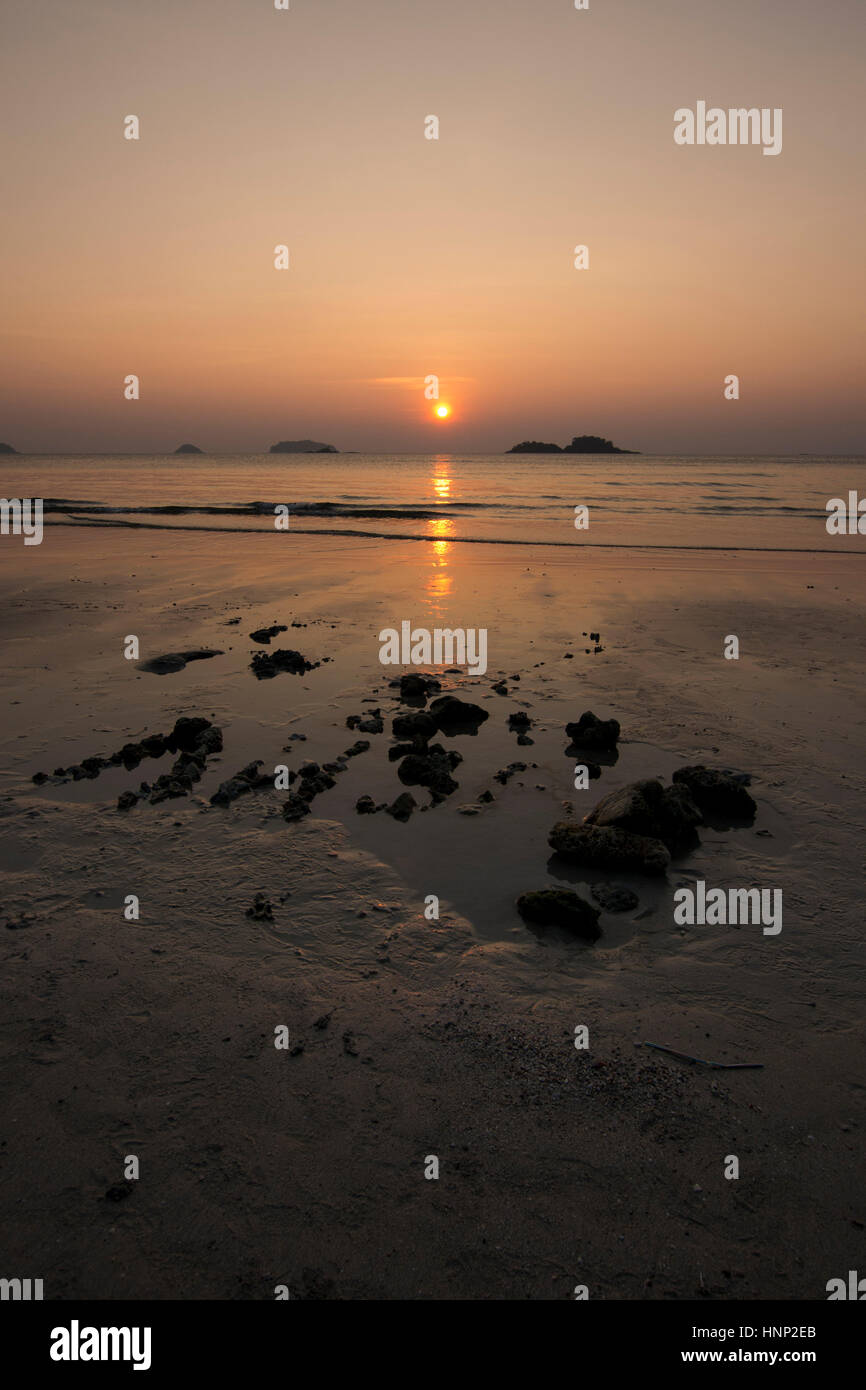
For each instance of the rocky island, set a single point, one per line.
(189, 449)
(7, 449)
(581, 444)
(302, 446)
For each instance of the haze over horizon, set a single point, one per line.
(410, 256)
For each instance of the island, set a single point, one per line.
(7, 449)
(189, 449)
(302, 446)
(581, 444)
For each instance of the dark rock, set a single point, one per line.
(373, 723)
(716, 792)
(419, 724)
(486, 796)
(592, 732)
(154, 745)
(359, 746)
(230, 790)
(560, 907)
(39, 778)
(186, 732)
(402, 807)
(501, 688)
(261, 910)
(431, 769)
(168, 787)
(175, 661)
(295, 808)
(125, 800)
(415, 686)
(647, 808)
(505, 773)
(519, 720)
(608, 847)
(455, 716)
(266, 665)
(524, 740)
(612, 898)
(365, 806)
(209, 741)
(264, 634)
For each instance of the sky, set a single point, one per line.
(411, 257)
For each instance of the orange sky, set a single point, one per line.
(411, 256)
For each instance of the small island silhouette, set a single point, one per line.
(302, 446)
(581, 444)
(7, 449)
(189, 449)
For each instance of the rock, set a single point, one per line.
(560, 907)
(486, 796)
(524, 740)
(125, 800)
(519, 720)
(311, 783)
(455, 716)
(230, 790)
(186, 733)
(295, 808)
(608, 847)
(359, 746)
(500, 687)
(209, 741)
(647, 808)
(431, 769)
(175, 661)
(365, 806)
(716, 792)
(372, 724)
(155, 745)
(188, 449)
(417, 725)
(266, 665)
(169, 786)
(402, 807)
(592, 732)
(261, 910)
(468, 809)
(414, 686)
(264, 634)
(612, 898)
(505, 773)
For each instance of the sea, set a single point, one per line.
(731, 503)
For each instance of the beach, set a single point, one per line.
(412, 1037)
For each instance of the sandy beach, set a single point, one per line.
(411, 1037)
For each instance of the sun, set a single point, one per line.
(443, 411)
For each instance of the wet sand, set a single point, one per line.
(454, 1037)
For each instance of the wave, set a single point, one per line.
(117, 523)
(64, 505)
